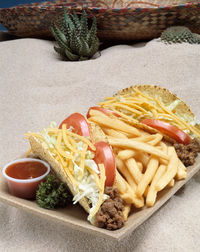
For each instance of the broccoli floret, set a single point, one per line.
(52, 193)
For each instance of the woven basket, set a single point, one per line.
(116, 19)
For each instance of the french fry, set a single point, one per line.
(143, 158)
(126, 211)
(128, 195)
(128, 135)
(163, 161)
(156, 140)
(171, 183)
(138, 155)
(163, 147)
(140, 166)
(124, 117)
(131, 144)
(144, 138)
(181, 171)
(124, 171)
(171, 170)
(115, 124)
(146, 191)
(126, 154)
(121, 185)
(152, 192)
(116, 150)
(95, 112)
(134, 170)
(147, 176)
(114, 133)
(143, 133)
(138, 202)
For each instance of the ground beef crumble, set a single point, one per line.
(188, 153)
(110, 214)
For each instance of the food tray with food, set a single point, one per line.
(74, 217)
(121, 162)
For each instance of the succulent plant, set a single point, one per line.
(179, 34)
(75, 40)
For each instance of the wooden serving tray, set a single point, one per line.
(76, 218)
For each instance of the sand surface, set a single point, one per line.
(36, 88)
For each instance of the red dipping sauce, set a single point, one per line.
(24, 175)
(26, 170)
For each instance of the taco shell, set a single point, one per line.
(167, 98)
(43, 152)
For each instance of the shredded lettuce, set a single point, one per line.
(92, 165)
(79, 145)
(53, 125)
(89, 155)
(173, 105)
(119, 98)
(88, 188)
(86, 185)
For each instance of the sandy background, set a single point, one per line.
(36, 88)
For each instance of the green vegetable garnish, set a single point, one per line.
(52, 193)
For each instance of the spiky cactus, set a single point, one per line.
(179, 34)
(75, 40)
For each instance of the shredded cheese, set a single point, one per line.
(71, 141)
(81, 138)
(96, 177)
(155, 114)
(195, 131)
(66, 140)
(64, 164)
(100, 200)
(119, 105)
(136, 105)
(35, 135)
(82, 162)
(59, 148)
(124, 115)
(71, 151)
(144, 95)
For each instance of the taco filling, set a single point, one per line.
(137, 103)
(71, 151)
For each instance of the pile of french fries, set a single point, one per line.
(145, 163)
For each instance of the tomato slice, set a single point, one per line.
(79, 124)
(104, 155)
(170, 130)
(103, 110)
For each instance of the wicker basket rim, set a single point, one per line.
(60, 6)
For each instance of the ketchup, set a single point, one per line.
(26, 170)
(24, 175)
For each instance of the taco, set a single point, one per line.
(80, 156)
(154, 109)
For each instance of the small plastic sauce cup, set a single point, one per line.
(25, 188)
